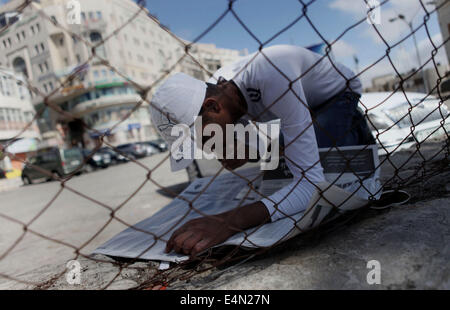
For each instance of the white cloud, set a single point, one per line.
(425, 49)
(342, 50)
(390, 31)
(356, 8)
(404, 59)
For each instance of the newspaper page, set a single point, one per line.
(213, 197)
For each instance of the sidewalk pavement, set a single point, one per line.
(9, 184)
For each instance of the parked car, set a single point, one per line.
(2, 173)
(115, 157)
(132, 150)
(54, 160)
(389, 114)
(96, 161)
(160, 144)
(150, 149)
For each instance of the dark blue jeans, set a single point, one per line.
(339, 122)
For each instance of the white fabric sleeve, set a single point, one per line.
(295, 197)
(301, 151)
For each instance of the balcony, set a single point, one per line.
(104, 102)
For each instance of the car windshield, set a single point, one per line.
(419, 114)
(71, 154)
(376, 122)
(123, 146)
(106, 150)
(32, 160)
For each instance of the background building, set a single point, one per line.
(444, 23)
(16, 115)
(100, 95)
(414, 83)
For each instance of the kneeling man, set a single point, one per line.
(315, 101)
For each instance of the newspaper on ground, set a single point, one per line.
(346, 170)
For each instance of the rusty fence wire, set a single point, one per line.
(416, 169)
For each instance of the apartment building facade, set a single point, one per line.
(100, 97)
(444, 23)
(16, 117)
(16, 111)
(413, 82)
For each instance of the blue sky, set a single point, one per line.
(189, 18)
(331, 17)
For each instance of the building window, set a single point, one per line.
(91, 15)
(96, 74)
(36, 48)
(38, 27)
(42, 47)
(51, 85)
(83, 16)
(32, 30)
(20, 66)
(66, 61)
(78, 58)
(99, 15)
(61, 41)
(18, 37)
(45, 88)
(41, 68)
(96, 38)
(23, 34)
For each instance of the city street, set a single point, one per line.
(74, 219)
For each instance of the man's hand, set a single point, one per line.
(200, 234)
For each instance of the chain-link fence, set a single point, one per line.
(412, 171)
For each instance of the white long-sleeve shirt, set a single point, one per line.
(264, 79)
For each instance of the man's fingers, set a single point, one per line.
(170, 243)
(179, 240)
(190, 242)
(200, 246)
